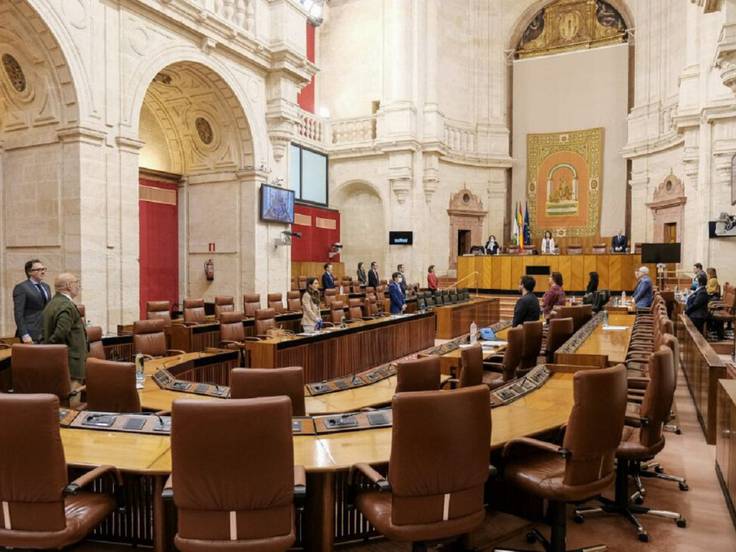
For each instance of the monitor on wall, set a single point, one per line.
(277, 204)
(400, 238)
(652, 253)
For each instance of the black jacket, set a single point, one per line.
(697, 304)
(618, 243)
(373, 279)
(526, 309)
(28, 304)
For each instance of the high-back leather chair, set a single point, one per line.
(232, 334)
(224, 303)
(111, 386)
(194, 311)
(422, 374)
(250, 383)
(94, 340)
(598, 248)
(251, 303)
(274, 301)
(41, 510)
(574, 249)
(41, 369)
(330, 295)
(265, 320)
(149, 337)
(511, 357)
(293, 301)
(430, 498)
(532, 344)
(370, 306)
(302, 283)
(584, 465)
(355, 310)
(337, 312)
(232, 500)
(471, 371)
(560, 330)
(159, 309)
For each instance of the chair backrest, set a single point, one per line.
(111, 386)
(434, 433)
(94, 339)
(330, 295)
(224, 303)
(370, 289)
(32, 466)
(265, 320)
(371, 305)
(275, 302)
(670, 341)
(560, 330)
(149, 337)
(512, 355)
(41, 369)
(337, 312)
(251, 303)
(194, 311)
(250, 383)
(159, 309)
(422, 374)
(576, 249)
(657, 402)
(293, 301)
(599, 248)
(302, 283)
(595, 424)
(231, 326)
(471, 372)
(637, 248)
(532, 343)
(355, 310)
(233, 494)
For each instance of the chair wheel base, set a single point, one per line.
(682, 522)
(578, 518)
(683, 486)
(643, 537)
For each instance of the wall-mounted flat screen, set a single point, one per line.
(652, 253)
(400, 238)
(277, 204)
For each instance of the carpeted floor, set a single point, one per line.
(709, 524)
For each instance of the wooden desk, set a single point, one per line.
(602, 347)
(361, 345)
(454, 320)
(502, 272)
(726, 442)
(451, 363)
(5, 380)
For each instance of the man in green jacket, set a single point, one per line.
(63, 325)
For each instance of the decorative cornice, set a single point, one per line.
(81, 134)
(132, 145)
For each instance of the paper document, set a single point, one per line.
(489, 344)
(615, 327)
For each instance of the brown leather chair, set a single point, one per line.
(293, 301)
(42, 510)
(426, 497)
(330, 295)
(232, 334)
(42, 369)
(194, 311)
(231, 500)
(111, 386)
(250, 383)
(422, 374)
(532, 344)
(265, 320)
(149, 338)
(584, 465)
(370, 306)
(82, 311)
(471, 369)
(509, 362)
(560, 330)
(251, 303)
(94, 340)
(355, 309)
(159, 309)
(224, 303)
(275, 302)
(337, 312)
(642, 443)
(599, 248)
(575, 249)
(302, 283)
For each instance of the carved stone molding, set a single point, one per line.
(431, 178)
(668, 206)
(466, 213)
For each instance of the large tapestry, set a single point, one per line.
(564, 179)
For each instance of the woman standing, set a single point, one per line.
(548, 242)
(311, 316)
(432, 281)
(362, 276)
(555, 295)
(492, 246)
(592, 283)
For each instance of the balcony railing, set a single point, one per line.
(311, 129)
(353, 131)
(460, 139)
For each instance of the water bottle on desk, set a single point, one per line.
(623, 298)
(139, 373)
(473, 333)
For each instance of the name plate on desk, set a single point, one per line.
(350, 382)
(353, 421)
(111, 421)
(519, 387)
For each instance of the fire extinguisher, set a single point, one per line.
(209, 270)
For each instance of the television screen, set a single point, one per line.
(400, 238)
(652, 253)
(277, 204)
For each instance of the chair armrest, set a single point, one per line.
(174, 352)
(229, 343)
(372, 475)
(168, 491)
(300, 483)
(83, 480)
(635, 421)
(78, 390)
(4, 346)
(451, 382)
(254, 338)
(528, 442)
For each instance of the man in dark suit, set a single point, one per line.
(527, 308)
(29, 299)
(373, 279)
(618, 243)
(62, 323)
(697, 304)
(328, 280)
(398, 303)
(402, 283)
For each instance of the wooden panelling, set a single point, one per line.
(455, 320)
(309, 268)
(726, 443)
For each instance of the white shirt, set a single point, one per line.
(548, 245)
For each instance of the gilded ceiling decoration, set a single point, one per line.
(568, 25)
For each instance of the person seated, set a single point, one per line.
(398, 302)
(644, 290)
(548, 243)
(492, 247)
(713, 287)
(526, 308)
(555, 295)
(618, 242)
(697, 304)
(432, 280)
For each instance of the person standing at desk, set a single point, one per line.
(402, 282)
(526, 308)
(311, 316)
(362, 276)
(697, 304)
(697, 269)
(432, 280)
(548, 242)
(618, 243)
(644, 291)
(555, 295)
(492, 246)
(398, 302)
(62, 323)
(373, 278)
(328, 280)
(29, 299)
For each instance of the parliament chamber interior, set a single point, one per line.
(368, 275)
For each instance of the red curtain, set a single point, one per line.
(317, 237)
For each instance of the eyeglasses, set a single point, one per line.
(42, 269)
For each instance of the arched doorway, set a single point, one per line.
(196, 140)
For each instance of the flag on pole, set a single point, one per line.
(527, 229)
(520, 224)
(516, 230)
